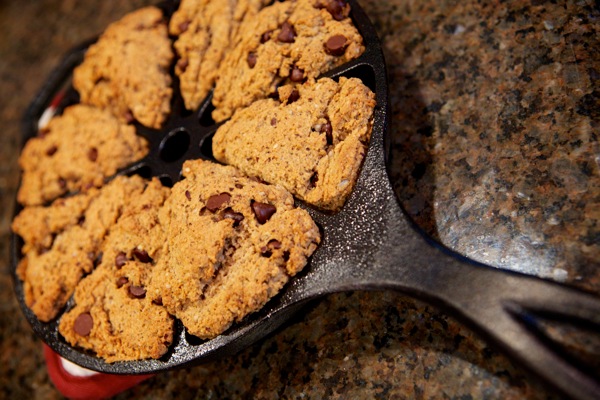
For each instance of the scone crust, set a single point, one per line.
(77, 150)
(127, 70)
(242, 81)
(62, 242)
(205, 30)
(126, 324)
(220, 262)
(313, 146)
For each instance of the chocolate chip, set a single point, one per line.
(120, 260)
(313, 180)
(296, 74)
(294, 96)
(216, 201)
(273, 244)
(338, 9)
(51, 151)
(182, 64)
(158, 301)
(265, 37)
(273, 121)
(129, 118)
(62, 183)
(137, 292)
(235, 216)
(184, 26)
(83, 324)
(252, 58)
(265, 252)
(141, 255)
(263, 211)
(93, 154)
(287, 33)
(188, 195)
(98, 259)
(121, 281)
(327, 129)
(336, 45)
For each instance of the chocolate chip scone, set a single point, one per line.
(75, 151)
(127, 69)
(231, 244)
(112, 315)
(205, 30)
(62, 242)
(312, 141)
(289, 41)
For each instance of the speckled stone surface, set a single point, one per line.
(495, 121)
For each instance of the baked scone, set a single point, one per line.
(289, 41)
(112, 315)
(62, 242)
(75, 151)
(127, 69)
(231, 245)
(312, 141)
(205, 29)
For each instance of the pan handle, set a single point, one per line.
(507, 309)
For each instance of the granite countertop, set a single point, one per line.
(495, 122)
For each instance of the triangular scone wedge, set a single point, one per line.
(312, 141)
(231, 244)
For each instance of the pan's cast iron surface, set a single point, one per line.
(369, 245)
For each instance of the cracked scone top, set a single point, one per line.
(289, 41)
(312, 141)
(62, 242)
(127, 70)
(75, 151)
(231, 245)
(112, 315)
(205, 30)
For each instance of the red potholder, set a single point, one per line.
(95, 387)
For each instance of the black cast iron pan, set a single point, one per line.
(369, 245)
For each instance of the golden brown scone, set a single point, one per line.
(205, 30)
(231, 244)
(112, 315)
(313, 146)
(75, 151)
(62, 242)
(289, 41)
(127, 69)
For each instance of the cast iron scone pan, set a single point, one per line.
(369, 245)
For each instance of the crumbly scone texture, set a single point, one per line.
(125, 323)
(62, 242)
(77, 150)
(205, 29)
(283, 37)
(231, 243)
(313, 146)
(127, 69)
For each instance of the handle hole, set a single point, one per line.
(205, 118)
(166, 181)
(175, 145)
(206, 147)
(142, 170)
